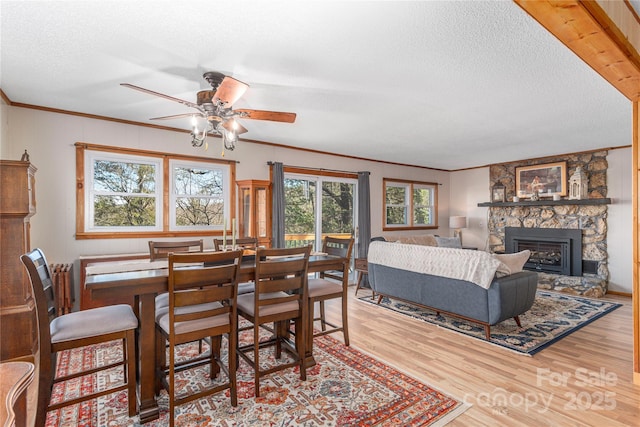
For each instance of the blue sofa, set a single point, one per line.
(506, 297)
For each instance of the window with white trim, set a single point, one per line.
(135, 193)
(409, 204)
(125, 192)
(198, 194)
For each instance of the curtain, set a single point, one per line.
(364, 214)
(277, 221)
(364, 220)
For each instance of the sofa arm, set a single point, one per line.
(511, 295)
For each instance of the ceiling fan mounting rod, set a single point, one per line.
(214, 78)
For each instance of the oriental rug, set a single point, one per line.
(552, 317)
(345, 388)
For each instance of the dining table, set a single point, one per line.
(145, 284)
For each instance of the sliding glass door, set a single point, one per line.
(318, 206)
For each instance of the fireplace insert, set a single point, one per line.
(553, 250)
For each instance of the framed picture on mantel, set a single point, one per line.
(546, 180)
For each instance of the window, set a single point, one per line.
(125, 193)
(409, 205)
(133, 193)
(198, 194)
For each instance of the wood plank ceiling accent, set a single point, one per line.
(586, 29)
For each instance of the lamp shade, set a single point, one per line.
(457, 222)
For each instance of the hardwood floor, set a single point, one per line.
(585, 379)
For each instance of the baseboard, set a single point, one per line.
(622, 294)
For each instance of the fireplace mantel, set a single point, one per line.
(547, 202)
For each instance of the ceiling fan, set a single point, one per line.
(214, 112)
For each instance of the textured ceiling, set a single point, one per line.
(441, 84)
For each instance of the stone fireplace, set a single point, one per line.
(565, 228)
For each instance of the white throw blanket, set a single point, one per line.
(477, 267)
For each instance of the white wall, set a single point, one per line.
(620, 220)
(50, 138)
(470, 187)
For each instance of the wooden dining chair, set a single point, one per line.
(75, 330)
(280, 297)
(161, 250)
(202, 304)
(242, 242)
(330, 285)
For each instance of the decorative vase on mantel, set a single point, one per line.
(578, 185)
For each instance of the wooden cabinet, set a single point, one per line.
(15, 378)
(18, 327)
(254, 202)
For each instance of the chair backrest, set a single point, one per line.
(281, 270)
(159, 250)
(242, 243)
(203, 278)
(44, 297)
(42, 290)
(339, 247)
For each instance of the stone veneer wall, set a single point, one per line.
(591, 219)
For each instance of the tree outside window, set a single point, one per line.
(199, 195)
(124, 195)
(409, 205)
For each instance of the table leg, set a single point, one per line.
(147, 405)
(309, 361)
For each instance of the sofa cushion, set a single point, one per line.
(511, 263)
(421, 239)
(449, 242)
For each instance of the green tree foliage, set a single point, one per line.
(337, 207)
(300, 207)
(396, 204)
(125, 195)
(421, 206)
(127, 183)
(202, 200)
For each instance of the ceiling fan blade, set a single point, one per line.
(162, 95)
(274, 116)
(229, 91)
(176, 116)
(233, 126)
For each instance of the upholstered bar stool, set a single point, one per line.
(280, 297)
(76, 330)
(330, 285)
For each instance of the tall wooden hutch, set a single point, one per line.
(254, 202)
(18, 326)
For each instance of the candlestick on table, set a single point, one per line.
(233, 233)
(224, 235)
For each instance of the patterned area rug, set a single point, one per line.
(345, 388)
(552, 317)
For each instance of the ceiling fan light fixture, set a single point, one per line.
(229, 137)
(199, 128)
